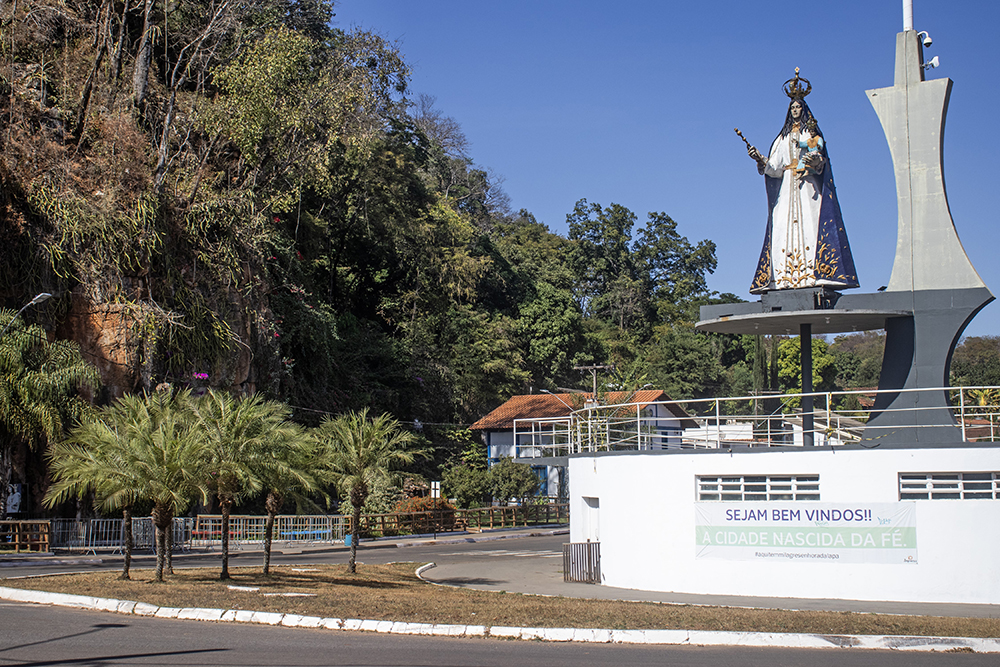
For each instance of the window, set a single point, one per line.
(741, 488)
(542, 473)
(949, 486)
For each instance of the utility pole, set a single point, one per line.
(593, 371)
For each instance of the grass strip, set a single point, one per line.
(393, 592)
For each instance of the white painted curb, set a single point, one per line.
(660, 637)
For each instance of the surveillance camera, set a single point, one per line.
(927, 38)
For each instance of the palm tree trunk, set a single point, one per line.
(226, 505)
(272, 504)
(162, 518)
(355, 534)
(6, 468)
(170, 547)
(127, 539)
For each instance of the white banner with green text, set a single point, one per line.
(815, 532)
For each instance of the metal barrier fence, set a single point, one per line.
(456, 520)
(25, 535)
(89, 535)
(582, 562)
(205, 530)
(245, 530)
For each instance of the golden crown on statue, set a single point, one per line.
(794, 88)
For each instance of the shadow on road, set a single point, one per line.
(470, 581)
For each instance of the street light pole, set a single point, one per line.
(44, 296)
(556, 396)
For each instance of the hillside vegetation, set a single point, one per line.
(243, 195)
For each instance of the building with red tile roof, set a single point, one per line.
(536, 426)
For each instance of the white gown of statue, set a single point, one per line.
(794, 218)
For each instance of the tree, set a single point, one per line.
(468, 485)
(858, 358)
(976, 361)
(602, 260)
(508, 480)
(362, 450)
(240, 437)
(297, 475)
(94, 458)
(140, 448)
(790, 366)
(39, 391)
(676, 271)
(685, 363)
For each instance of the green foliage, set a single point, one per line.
(676, 271)
(790, 368)
(262, 91)
(976, 361)
(139, 448)
(512, 481)
(858, 358)
(468, 484)
(684, 363)
(285, 219)
(39, 390)
(360, 452)
(39, 382)
(384, 495)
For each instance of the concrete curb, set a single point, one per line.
(657, 637)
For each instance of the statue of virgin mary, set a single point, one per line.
(805, 244)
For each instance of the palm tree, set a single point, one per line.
(299, 476)
(360, 451)
(141, 448)
(39, 382)
(93, 459)
(241, 437)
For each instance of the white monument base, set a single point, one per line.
(821, 523)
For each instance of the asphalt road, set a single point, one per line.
(40, 635)
(368, 552)
(36, 635)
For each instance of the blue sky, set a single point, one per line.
(635, 104)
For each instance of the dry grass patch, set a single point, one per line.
(393, 592)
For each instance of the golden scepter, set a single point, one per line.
(759, 159)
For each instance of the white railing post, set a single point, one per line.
(829, 418)
(638, 428)
(961, 404)
(718, 425)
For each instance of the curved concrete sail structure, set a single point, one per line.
(931, 275)
(929, 254)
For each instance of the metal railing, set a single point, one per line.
(89, 535)
(205, 530)
(247, 530)
(839, 418)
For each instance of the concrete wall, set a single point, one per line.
(642, 507)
